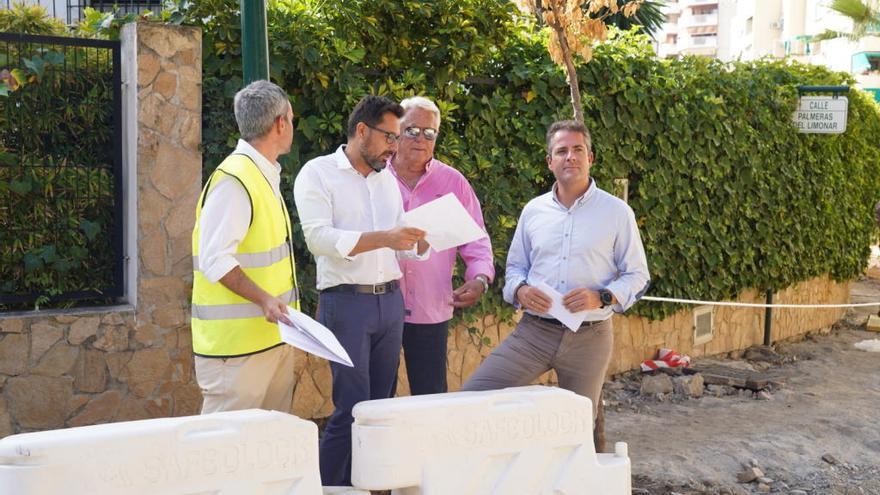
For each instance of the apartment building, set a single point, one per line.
(755, 29)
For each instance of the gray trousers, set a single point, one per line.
(536, 346)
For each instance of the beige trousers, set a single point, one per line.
(580, 358)
(258, 381)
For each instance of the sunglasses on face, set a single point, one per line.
(390, 137)
(428, 132)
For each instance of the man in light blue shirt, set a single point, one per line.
(583, 242)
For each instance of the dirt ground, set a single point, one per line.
(827, 406)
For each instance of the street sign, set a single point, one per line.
(821, 114)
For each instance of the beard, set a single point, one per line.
(376, 162)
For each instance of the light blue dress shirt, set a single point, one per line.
(594, 244)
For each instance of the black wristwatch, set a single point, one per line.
(606, 297)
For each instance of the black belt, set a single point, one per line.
(554, 321)
(376, 290)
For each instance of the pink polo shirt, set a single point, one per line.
(427, 285)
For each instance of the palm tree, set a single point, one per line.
(650, 16)
(865, 15)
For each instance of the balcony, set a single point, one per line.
(701, 20)
(699, 3)
(703, 42)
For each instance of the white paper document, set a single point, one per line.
(446, 221)
(558, 311)
(312, 337)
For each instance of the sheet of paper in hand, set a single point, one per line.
(446, 222)
(558, 311)
(312, 337)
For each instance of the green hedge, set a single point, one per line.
(727, 194)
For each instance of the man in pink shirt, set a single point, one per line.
(427, 285)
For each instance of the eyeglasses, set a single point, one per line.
(390, 137)
(428, 132)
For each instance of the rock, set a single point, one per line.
(165, 84)
(40, 402)
(656, 384)
(753, 462)
(689, 385)
(873, 324)
(830, 459)
(764, 395)
(763, 354)
(113, 319)
(13, 354)
(717, 390)
(12, 325)
(169, 317)
(797, 492)
(90, 373)
(765, 480)
(147, 369)
(116, 362)
(763, 488)
(187, 400)
(100, 409)
(749, 475)
(43, 337)
(148, 67)
(66, 319)
(82, 329)
(145, 333)
(58, 361)
(112, 339)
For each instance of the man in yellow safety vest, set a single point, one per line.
(244, 274)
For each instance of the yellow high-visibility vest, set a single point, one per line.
(225, 324)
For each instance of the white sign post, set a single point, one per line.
(821, 114)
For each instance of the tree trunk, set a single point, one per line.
(571, 72)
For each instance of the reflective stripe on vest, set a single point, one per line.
(257, 260)
(225, 324)
(235, 311)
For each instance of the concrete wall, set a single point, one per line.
(72, 368)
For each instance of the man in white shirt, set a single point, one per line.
(243, 265)
(351, 210)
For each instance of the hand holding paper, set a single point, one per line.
(312, 337)
(558, 310)
(446, 221)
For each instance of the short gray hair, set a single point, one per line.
(423, 103)
(257, 105)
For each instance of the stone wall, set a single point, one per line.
(636, 339)
(72, 368)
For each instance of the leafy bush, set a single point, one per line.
(727, 194)
(56, 182)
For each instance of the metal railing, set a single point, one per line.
(61, 162)
(73, 11)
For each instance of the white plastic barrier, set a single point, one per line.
(251, 452)
(524, 440)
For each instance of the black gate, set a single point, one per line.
(60, 170)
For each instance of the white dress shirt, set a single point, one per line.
(336, 204)
(226, 216)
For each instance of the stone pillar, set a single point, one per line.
(169, 172)
(63, 368)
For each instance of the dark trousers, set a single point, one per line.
(424, 350)
(370, 329)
